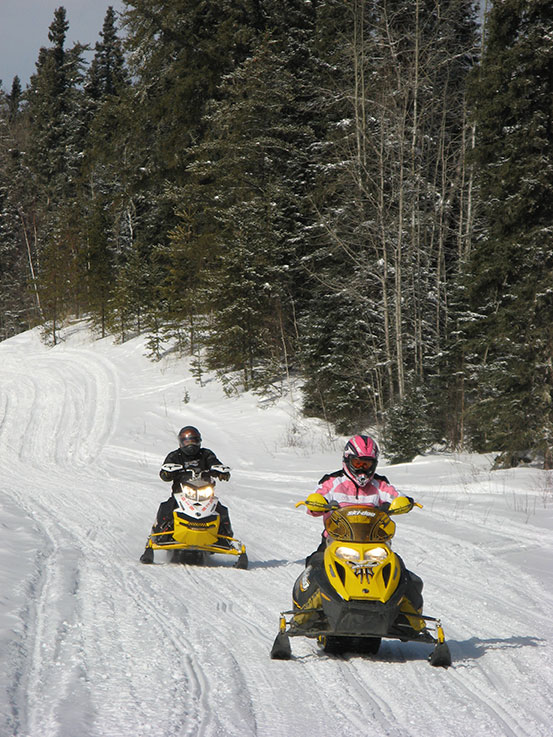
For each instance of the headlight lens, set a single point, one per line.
(347, 553)
(376, 554)
(198, 495)
(205, 493)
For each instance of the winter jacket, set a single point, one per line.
(339, 487)
(203, 461)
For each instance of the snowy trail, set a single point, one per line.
(96, 645)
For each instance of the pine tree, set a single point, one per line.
(14, 99)
(99, 267)
(54, 158)
(250, 200)
(178, 52)
(510, 335)
(241, 178)
(392, 210)
(107, 74)
(105, 177)
(15, 298)
(54, 108)
(183, 298)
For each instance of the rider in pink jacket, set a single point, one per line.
(356, 482)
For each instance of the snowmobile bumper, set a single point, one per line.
(316, 625)
(224, 545)
(355, 621)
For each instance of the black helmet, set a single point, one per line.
(190, 440)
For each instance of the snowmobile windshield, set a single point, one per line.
(361, 524)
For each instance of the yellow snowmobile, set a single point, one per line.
(357, 590)
(196, 525)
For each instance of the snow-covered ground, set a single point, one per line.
(94, 644)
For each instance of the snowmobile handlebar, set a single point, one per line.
(220, 471)
(317, 503)
(178, 471)
(402, 505)
(172, 469)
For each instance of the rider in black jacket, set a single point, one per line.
(192, 457)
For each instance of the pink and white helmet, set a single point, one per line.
(360, 459)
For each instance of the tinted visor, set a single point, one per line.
(189, 438)
(368, 465)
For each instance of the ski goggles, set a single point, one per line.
(363, 464)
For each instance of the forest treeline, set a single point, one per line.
(353, 192)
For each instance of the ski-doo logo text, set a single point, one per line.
(360, 513)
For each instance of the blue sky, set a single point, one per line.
(24, 29)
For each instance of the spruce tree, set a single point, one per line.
(14, 99)
(15, 297)
(54, 108)
(54, 158)
(107, 74)
(105, 176)
(178, 51)
(240, 181)
(250, 198)
(509, 336)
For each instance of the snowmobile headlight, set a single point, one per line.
(205, 493)
(198, 495)
(378, 555)
(345, 553)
